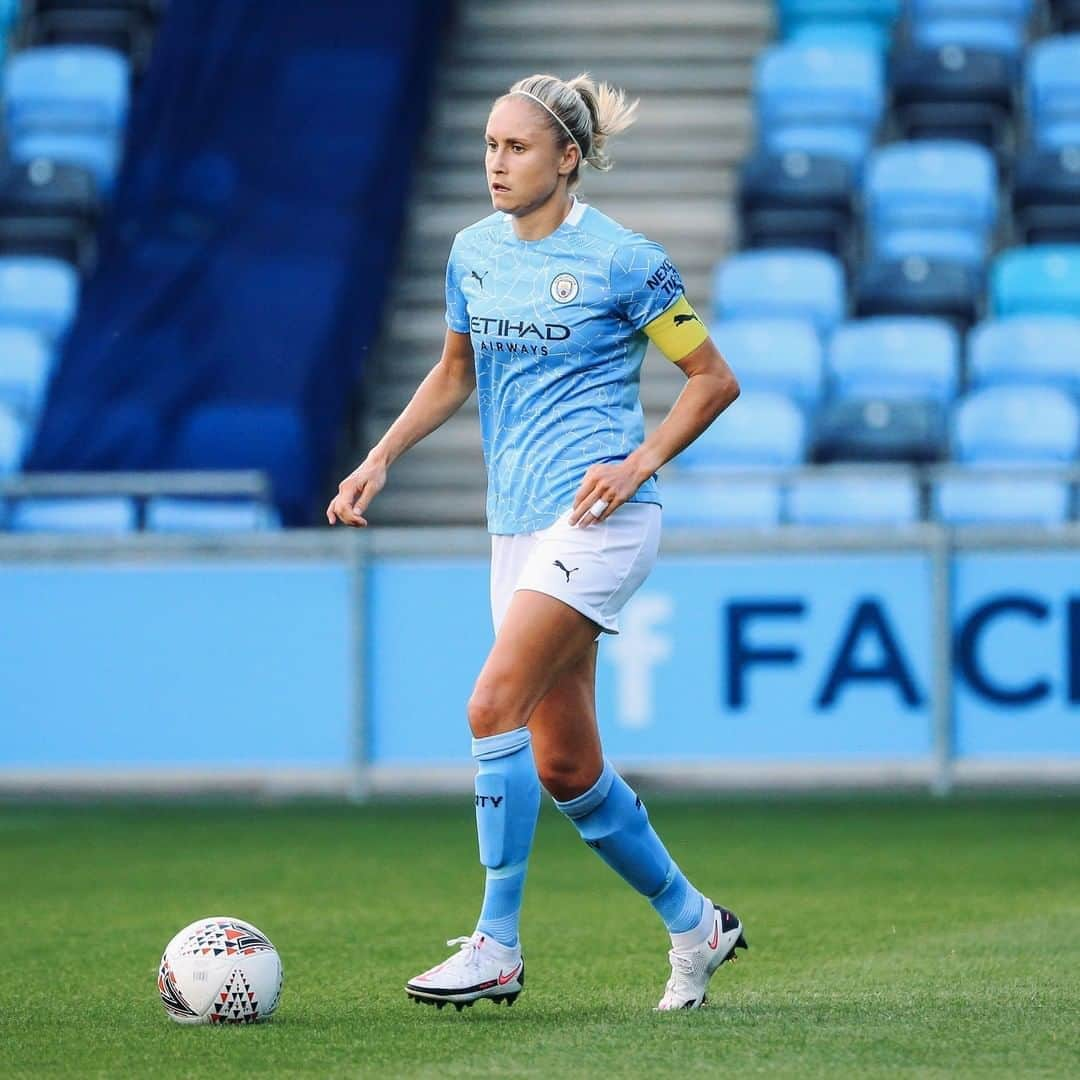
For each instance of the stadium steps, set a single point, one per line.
(674, 180)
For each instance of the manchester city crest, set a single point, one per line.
(564, 288)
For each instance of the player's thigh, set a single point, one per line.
(565, 735)
(539, 639)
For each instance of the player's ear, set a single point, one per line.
(569, 160)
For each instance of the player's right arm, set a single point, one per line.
(446, 387)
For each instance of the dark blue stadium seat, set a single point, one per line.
(1053, 91)
(104, 515)
(48, 208)
(707, 501)
(1024, 425)
(796, 200)
(760, 429)
(781, 283)
(269, 437)
(899, 358)
(1001, 36)
(25, 364)
(1044, 279)
(98, 154)
(853, 500)
(1066, 15)
(971, 499)
(186, 515)
(12, 439)
(37, 293)
(953, 92)
(928, 189)
(920, 286)
(780, 355)
(871, 429)
(850, 145)
(1027, 349)
(1046, 196)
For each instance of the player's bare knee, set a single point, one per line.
(492, 712)
(565, 777)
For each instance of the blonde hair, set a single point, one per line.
(582, 112)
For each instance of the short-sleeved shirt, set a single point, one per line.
(556, 327)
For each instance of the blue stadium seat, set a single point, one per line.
(12, 440)
(182, 515)
(780, 355)
(853, 500)
(79, 89)
(875, 429)
(1053, 91)
(941, 288)
(37, 293)
(781, 283)
(1016, 11)
(841, 35)
(987, 500)
(1023, 425)
(1000, 36)
(1046, 196)
(1044, 279)
(705, 501)
(949, 188)
(850, 145)
(106, 515)
(25, 365)
(99, 155)
(1026, 349)
(895, 358)
(954, 92)
(796, 13)
(760, 429)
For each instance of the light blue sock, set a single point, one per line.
(507, 803)
(613, 821)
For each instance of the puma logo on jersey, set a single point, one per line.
(680, 319)
(479, 277)
(564, 570)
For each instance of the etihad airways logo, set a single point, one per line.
(525, 337)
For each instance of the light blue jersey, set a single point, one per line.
(556, 328)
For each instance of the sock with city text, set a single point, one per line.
(507, 804)
(612, 820)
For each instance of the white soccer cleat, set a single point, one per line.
(693, 967)
(481, 968)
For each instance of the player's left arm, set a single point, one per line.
(710, 388)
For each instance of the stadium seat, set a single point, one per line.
(1053, 92)
(1001, 36)
(1027, 349)
(953, 92)
(25, 366)
(76, 89)
(1024, 425)
(186, 515)
(47, 208)
(850, 145)
(761, 429)
(813, 86)
(1042, 279)
(894, 358)
(920, 286)
(37, 293)
(1015, 11)
(841, 35)
(960, 499)
(707, 501)
(885, 499)
(948, 188)
(875, 429)
(99, 155)
(105, 515)
(12, 440)
(1066, 15)
(780, 355)
(796, 200)
(781, 283)
(269, 437)
(1046, 196)
(795, 14)
(121, 29)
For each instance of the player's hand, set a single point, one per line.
(355, 493)
(603, 490)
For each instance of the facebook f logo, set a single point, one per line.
(640, 646)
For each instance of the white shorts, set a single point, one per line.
(594, 570)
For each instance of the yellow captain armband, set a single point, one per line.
(678, 332)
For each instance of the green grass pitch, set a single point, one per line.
(889, 936)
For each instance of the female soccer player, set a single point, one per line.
(550, 307)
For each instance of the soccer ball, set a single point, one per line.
(220, 971)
